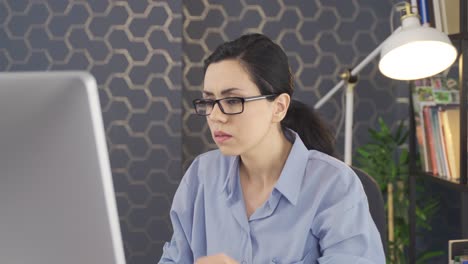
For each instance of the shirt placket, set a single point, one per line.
(247, 252)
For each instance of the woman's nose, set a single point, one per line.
(217, 115)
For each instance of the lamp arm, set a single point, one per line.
(354, 72)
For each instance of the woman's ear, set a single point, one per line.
(281, 107)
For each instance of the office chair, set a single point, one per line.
(376, 203)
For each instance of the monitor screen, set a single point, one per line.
(57, 202)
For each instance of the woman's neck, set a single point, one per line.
(262, 165)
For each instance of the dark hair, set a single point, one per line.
(268, 67)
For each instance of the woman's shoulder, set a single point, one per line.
(330, 178)
(329, 168)
(331, 162)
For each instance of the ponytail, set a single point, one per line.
(314, 132)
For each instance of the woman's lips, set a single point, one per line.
(220, 136)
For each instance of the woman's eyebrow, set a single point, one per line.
(223, 92)
(230, 90)
(206, 93)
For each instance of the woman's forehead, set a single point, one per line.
(227, 76)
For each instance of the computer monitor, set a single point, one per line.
(57, 202)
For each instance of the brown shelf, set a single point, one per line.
(454, 185)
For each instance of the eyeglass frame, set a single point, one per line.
(242, 99)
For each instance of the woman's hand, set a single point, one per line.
(216, 259)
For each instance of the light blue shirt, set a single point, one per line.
(317, 213)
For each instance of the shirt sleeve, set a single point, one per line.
(344, 226)
(179, 250)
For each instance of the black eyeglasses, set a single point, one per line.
(228, 105)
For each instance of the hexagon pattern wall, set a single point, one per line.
(133, 49)
(321, 38)
(147, 58)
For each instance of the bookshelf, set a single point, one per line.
(460, 40)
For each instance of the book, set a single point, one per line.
(450, 120)
(443, 142)
(433, 92)
(439, 146)
(458, 251)
(450, 14)
(423, 12)
(430, 13)
(436, 137)
(430, 141)
(434, 11)
(422, 96)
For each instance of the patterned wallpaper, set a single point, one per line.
(147, 58)
(321, 39)
(134, 50)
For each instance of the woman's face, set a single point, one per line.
(236, 134)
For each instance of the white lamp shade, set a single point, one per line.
(416, 52)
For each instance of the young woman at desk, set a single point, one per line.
(272, 192)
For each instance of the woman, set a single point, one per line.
(272, 193)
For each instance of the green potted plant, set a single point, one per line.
(386, 161)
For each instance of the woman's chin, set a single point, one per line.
(228, 151)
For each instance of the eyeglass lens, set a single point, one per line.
(227, 106)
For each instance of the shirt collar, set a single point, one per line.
(290, 180)
(230, 182)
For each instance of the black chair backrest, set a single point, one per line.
(376, 203)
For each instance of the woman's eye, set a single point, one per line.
(233, 101)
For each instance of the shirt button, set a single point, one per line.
(244, 262)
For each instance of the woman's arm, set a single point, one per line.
(345, 227)
(179, 249)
